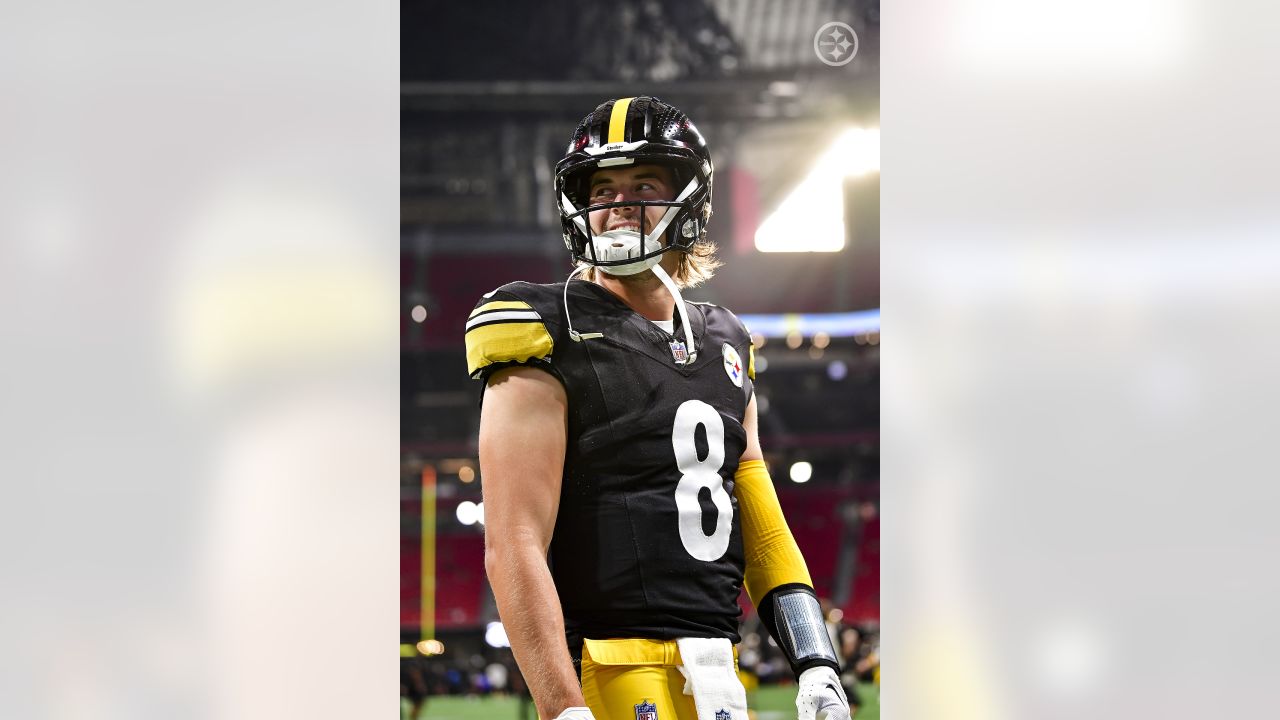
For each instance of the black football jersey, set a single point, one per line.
(647, 542)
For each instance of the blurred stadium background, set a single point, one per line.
(487, 103)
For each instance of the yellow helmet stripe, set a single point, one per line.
(618, 120)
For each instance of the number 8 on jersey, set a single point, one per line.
(701, 473)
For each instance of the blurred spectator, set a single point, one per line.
(496, 673)
(413, 688)
(850, 640)
(861, 664)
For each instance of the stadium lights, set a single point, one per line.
(431, 647)
(811, 218)
(837, 370)
(468, 513)
(495, 635)
(845, 324)
(801, 472)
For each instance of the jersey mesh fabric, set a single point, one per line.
(647, 542)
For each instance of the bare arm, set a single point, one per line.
(522, 447)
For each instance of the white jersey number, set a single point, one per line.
(698, 474)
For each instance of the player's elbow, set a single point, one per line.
(505, 554)
(492, 562)
(496, 552)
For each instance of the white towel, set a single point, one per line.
(711, 679)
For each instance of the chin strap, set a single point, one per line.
(671, 287)
(680, 308)
(573, 334)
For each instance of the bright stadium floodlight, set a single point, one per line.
(467, 512)
(495, 635)
(801, 472)
(811, 218)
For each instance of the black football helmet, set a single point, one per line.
(632, 131)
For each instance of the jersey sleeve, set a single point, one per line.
(505, 330)
(772, 557)
(748, 384)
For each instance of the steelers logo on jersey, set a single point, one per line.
(733, 364)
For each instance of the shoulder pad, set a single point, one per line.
(732, 325)
(746, 334)
(506, 328)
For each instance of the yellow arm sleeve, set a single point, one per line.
(772, 556)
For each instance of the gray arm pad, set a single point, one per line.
(801, 631)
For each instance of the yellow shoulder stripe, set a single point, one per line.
(751, 361)
(506, 342)
(500, 305)
(618, 120)
(772, 556)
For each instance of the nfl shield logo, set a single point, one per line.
(646, 711)
(679, 352)
(723, 715)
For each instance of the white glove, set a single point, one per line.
(576, 713)
(820, 696)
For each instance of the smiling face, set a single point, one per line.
(639, 182)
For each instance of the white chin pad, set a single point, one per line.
(622, 244)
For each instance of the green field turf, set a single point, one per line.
(771, 703)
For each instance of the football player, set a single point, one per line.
(626, 497)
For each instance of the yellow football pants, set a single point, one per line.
(622, 678)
